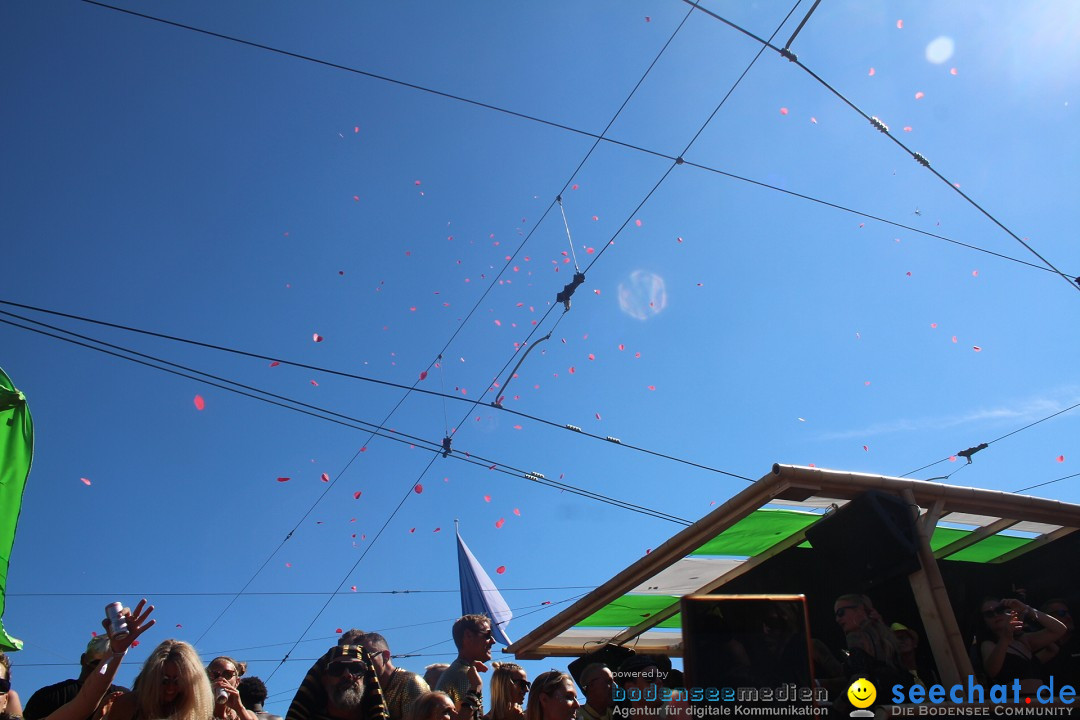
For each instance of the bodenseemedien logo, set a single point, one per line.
(862, 695)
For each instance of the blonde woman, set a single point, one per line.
(552, 697)
(172, 685)
(509, 684)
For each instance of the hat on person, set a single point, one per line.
(900, 627)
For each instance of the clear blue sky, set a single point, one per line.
(162, 179)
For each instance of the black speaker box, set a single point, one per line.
(869, 540)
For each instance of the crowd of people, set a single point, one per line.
(357, 679)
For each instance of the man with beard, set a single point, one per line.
(342, 685)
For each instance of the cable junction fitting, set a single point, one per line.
(567, 292)
(446, 446)
(792, 57)
(971, 451)
(615, 440)
(575, 428)
(921, 159)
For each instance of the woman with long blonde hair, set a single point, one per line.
(552, 697)
(509, 683)
(172, 684)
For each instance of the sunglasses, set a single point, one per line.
(337, 669)
(218, 674)
(5, 685)
(996, 610)
(523, 684)
(842, 610)
(1059, 613)
(170, 680)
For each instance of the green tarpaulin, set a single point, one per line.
(16, 452)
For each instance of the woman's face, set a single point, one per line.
(223, 670)
(995, 615)
(170, 681)
(442, 710)
(519, 685)
(561, 704)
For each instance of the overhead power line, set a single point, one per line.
(884, 129)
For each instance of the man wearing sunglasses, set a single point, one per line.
(461, 681)
(400, 687)
(596, 683)
(342, 685)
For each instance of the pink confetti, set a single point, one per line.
(517, 427)
(648, 550)
(280, 479)
(325, 477)
(288, 564)
(572, 370)
(498, 323)
(356, 198)
(638, 223)
(867, 383)
(899, 24)
(952, 458)
(920, 95)
(314, 384)
(974, 273)
(1061, 458)
(423, 374)
(500, 570)
(872, 72)
(316, 337)
(598, 416)
(976, 348)
(500, 522)
(356, 129)
(678, 239)
(356, 495)
(412, 530)
(590, 251)
(652, 387)
(487, 498)
(952, 71)
(813, 119)
(621, 346)
(783, 111)
(418, 488)
(179, 625)
(591, 356)
(438, 529)
(416, 183)
(648, 19)
(517, 512)
(865, 448)
(933, 326)
(274, 364)
(353, 588)
(85, 481)
(954, 338)
(595, 218)
(575, 187)
(200, 404)
(908, 273)
(907, 128)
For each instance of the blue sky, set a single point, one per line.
(166, 180)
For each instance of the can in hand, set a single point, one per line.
(117, 622)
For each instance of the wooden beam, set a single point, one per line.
(1036, 543)
(976, 535)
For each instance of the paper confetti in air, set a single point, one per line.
(85, 481)
(200, 404)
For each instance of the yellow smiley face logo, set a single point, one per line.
(862, 693)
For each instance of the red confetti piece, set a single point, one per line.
(678, 239)
(353, 588)
(907, 128)
(933, 325)
(1061, 458)
(517, 427)
(648, 550)
(179, 625)
(423, 374)
(575, 187)
(325, 477)
(546, 602)
(487, 498)
(200, 404)
(598, 416)
(356, 495)
(498, 323)
(952, 458)
(813, 119)
(416, 183)
(274, 364)
(85, 481)
(867, 383)
(908, 273)
(952, 71)
(134, 643)
(872, 72)
(418, 488)
(314, 384)
(316, 337)
(356, 198)
(500, 522)
(280, 479)
(338, 630)
(590, 251)
(591, 356)
(783, 111)
(500, 570)
(899, 24)
(517, 512)
(595, 218)
(288, 564)
(648, 19)
(954, 338)
(572, 370)
(621, 346)
(412, 530)
(652, 387)
(976, 348)
(974, 273)
(638, 223)
(865, 448)
(920, 95)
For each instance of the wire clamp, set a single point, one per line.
(971, 451)
(792, 57)
(679, 160)
(921, 159)
(446, 446)
(568, 290)
(879, 125)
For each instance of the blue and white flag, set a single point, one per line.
(479, 595)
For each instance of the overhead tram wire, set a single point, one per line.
(410, 440)
(598, 138)
(971, 451)
(1048, 482)
(879, 125)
